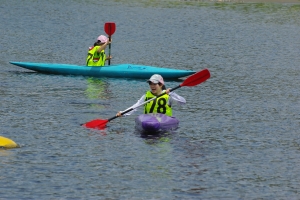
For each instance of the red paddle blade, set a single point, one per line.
(110, 28)
(96, 123)
(196, 78)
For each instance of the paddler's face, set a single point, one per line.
(155, 88)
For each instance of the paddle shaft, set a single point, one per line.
(109, 47)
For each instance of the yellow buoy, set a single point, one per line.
(7, 143)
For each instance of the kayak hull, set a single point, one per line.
(111, 71)
(155, 123)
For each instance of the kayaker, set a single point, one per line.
(162, 104)
(96, 54)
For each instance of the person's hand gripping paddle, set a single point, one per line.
(109, 28)
(193, 80)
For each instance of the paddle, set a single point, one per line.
(192, 80)
(109, 28)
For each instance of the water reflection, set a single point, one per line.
(5, 152)
(156, 138)
(97, 89)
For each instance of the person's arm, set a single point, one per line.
(139, 102)
(108, 58)
(175, 98)
(102, 47)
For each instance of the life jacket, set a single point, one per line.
(94, 58)
(159, 105)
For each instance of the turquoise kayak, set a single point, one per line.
(112, 71)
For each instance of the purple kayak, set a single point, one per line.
(155, 123)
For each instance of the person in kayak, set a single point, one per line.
(163, 104)
(96, 54)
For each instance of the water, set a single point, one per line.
(239, 132)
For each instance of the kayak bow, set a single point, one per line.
(7, 143)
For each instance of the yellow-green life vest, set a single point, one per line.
(159, 105)
(94, 58)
